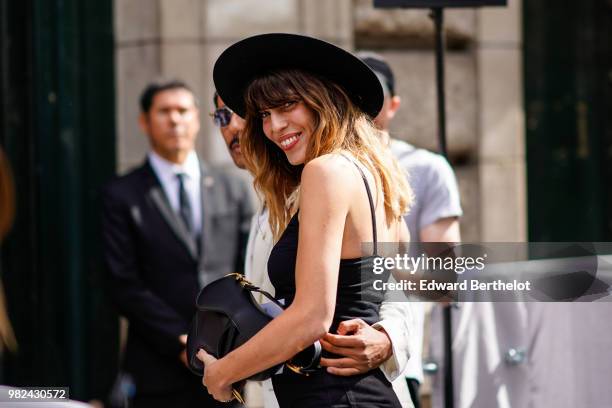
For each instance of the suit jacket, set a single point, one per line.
(156, 268)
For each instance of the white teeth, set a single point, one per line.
(288, 141)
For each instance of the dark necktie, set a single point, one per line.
(184, 204)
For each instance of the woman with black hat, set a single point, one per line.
(329, 185)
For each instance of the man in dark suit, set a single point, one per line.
(170, 226)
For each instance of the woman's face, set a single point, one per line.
(290, 127)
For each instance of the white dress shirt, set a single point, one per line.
(166, 173)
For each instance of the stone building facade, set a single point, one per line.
(483, 82)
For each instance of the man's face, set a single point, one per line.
(386, 114)
(231, 135)
(172, 124)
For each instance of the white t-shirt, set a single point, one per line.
(436, 196)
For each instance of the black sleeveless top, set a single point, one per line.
(355, 296)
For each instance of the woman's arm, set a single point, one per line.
(324, 205)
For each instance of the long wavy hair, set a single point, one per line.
(339, 126)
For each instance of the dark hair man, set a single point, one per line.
(170, 226)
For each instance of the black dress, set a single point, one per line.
(355, 298)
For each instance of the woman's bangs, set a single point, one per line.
(268, 92)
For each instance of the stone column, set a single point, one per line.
(502, 169)
(137, 53)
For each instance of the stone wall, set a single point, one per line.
(483, 103)
(183, 38)
(483, 82)
(502, 168)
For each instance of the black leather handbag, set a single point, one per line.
(228, 316)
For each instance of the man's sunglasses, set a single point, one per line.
(222, 116)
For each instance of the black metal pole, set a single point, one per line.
(437, 14)
(449, 401)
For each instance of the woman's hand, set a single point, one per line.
(212, 378)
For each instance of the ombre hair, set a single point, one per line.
(339, 126)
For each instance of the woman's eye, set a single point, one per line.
(288, 105)
(264, 114)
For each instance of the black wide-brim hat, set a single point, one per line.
(253, 57)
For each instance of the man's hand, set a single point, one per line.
(363, 348)
(183, 353)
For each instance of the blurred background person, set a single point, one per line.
(170, 226)
(7, 215)
(8, 341)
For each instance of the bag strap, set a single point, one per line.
(313, 364)
(250, 287)
(370, 200)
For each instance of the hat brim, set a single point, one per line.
(252, 57)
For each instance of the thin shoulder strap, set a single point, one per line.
(372, 210)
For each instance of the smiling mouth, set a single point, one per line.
(234, 144)
(289, 142)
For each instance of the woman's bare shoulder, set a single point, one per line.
(331, 166)
(328, 178)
